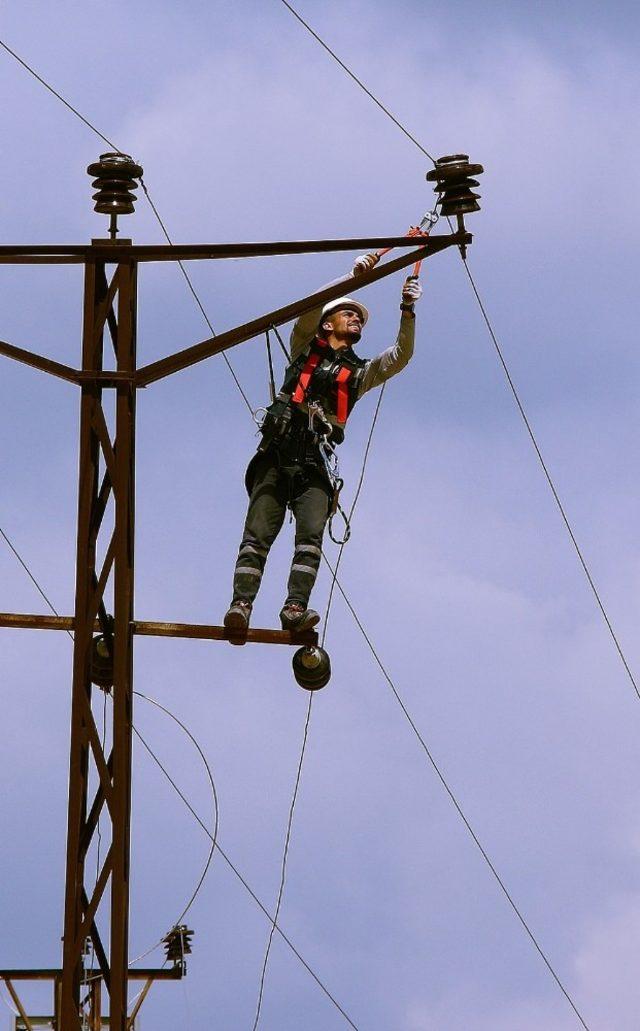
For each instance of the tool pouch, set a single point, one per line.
(276, 423)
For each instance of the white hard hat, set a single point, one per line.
(345, 302)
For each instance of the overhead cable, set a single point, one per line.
(485, 855)
(503, 363)
(30, 575)
(152, 205)
(360, 83)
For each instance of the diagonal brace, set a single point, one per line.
(214, 345)
(38, 361)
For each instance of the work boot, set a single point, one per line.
(238, 615)
(295, 617)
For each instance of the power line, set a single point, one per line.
(457, 804)
(30, 575)
(59, 96)
(152, 205)
(360, 83)
(549, 479)
(509, 378)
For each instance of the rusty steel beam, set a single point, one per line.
(209, 251)
(55, 973)
(17, 1002)
(38, 361)
(122, 250)
(223, 341)
(220, 633)
(24, 621)
(81, 715)
(146, 628)
(86, 751)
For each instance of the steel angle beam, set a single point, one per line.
(223, 341)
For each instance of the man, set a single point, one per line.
(321, 385)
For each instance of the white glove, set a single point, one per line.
(365, 263)
(411, 290)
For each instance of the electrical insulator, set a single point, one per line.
(102, 662)
(312, 668)
(177, 945)
(115, 178)
(452, 176)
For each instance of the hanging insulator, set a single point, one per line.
(452, 176)
(312, 668)
(102, 662)
(177, 945)
(115, 180)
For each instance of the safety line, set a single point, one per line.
(152, 205)
(360, 83)
(502, 361)
(350, 515)
(308, 718)
(283, 873)
(457, 804)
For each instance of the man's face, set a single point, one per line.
(346, 324)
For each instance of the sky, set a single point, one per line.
(459, 566)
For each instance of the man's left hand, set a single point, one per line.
(411, 290)
(365, 263)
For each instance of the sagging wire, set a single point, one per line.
(216, 816)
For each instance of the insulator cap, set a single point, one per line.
(453, 178)
(312, 668)
(177, 944)
(101, 663)
(115, 181)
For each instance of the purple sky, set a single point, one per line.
(459, 565)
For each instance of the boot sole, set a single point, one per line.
(236, 621)
(303, 624)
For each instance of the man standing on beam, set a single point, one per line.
(321, 385)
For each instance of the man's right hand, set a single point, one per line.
(364, 264)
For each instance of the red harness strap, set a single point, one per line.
(305, 378)
(342, 406)
(299, 394)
